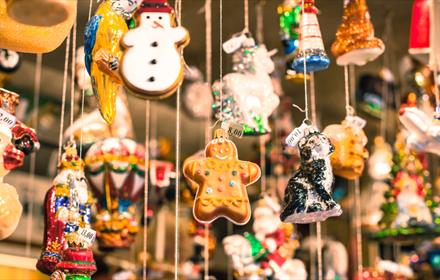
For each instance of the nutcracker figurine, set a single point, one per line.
(68, 237)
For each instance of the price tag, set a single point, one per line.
(87, 235)
(298, 133)
(234, 129)
(7, 119)
(234, 43)
(356, 121)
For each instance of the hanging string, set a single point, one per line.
(313, 98)
(208, 58)
(30, 195)
(347, 92)
(263, 163)
(260, 21)
(306, 101)
(319, 249)
(246, 15)
(83, 90)
(221, 58)
(72, 77)
(63, 99)
(146, 184)
(358, 225)
(178, 8)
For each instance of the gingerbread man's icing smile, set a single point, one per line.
(221, 180)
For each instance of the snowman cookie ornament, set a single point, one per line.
(152, 66)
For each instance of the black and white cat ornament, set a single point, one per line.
(307, 198)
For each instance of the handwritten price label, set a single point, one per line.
(7, 119)
(234, 43)
(356, 121)
(233, 129)
(87, 235)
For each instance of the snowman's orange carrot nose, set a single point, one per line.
(157, 24)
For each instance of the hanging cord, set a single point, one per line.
(313, 99)
(208, 69)
(29, 195)
(83, 90)
(221, 58)
(246, 16)
(146, 184)
(63, 99)
(260, 21)
(178, 8)
(348, 108)
(72, 77)
(306, 101)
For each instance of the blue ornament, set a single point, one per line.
(316, 60)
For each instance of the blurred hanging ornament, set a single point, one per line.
(102, 53)
(434, 36)
(424, 132)
(162, 72)
(349, 140)
(68, 237)
(221, 180)
(355, 42)
(198, 100)
(10, 206)
(381, 160)
(311, 47)
(161, 173)
(419, 38)
(307, 198)
(372, 200)
(268, 252)
(9, 61)
(35, 26)
(115, 169)
(247, 96)
(92, 128)
(82, 78)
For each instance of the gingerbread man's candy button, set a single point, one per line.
(232, 183)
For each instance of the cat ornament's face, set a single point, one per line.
(315, 145)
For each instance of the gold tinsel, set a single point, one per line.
(356, 30)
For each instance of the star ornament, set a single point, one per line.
(221, 180)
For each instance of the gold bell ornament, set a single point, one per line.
(35, 26)
(355, 42)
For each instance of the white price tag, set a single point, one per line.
(298, 133)
(7, 119)
(234, 129)
(356, 121)
(87, 235)
(234, 43)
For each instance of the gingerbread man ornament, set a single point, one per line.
(221, 180)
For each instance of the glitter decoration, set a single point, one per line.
(311, 47)
(248, 96)
(348, 159)
(355, 42)
(381, 160)
(34, 32)
(223, 201)
(307, 198)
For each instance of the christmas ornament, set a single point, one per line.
(424, 132)
(115, 169)
(307, 197)
(35, 26)
(419, 38)
(9, 61)
(311, 48)
(159, 41)
(221, 180)
(102, 53)
(349, 140)
(68, 238)
(82, 77)
(268, 252)
(247, 96)
(198, 100)
(93, 128)
(381, 160)
(10, 206)
(355, 42)
(161, 173)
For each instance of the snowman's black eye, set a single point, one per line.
(160, 17)
(148, 17)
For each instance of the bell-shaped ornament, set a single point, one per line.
(355, 42)
(311, 47)
(35, 26)
(419, 37)
(307, 198)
